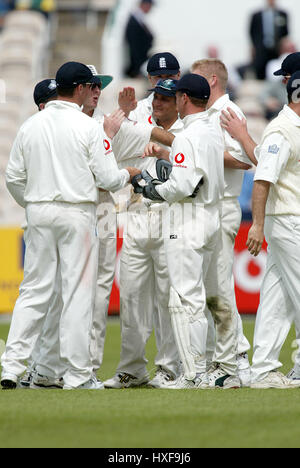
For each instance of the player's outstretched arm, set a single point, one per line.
(233, 163)
(237, 128)
(133, 171)
(156, 151)
(162, 136)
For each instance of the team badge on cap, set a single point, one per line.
(163, 64)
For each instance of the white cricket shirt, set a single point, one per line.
(279, 163)
(233, 177)
(62, 155)
(197, 153)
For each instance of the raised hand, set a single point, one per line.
(235, 126)
(127, 100)
(113, 122)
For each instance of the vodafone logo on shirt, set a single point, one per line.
(150, 120)
(179, 158)
(106, 145)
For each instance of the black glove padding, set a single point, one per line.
(163, 169)
(144, 175)
(135, 182)
(149, 191)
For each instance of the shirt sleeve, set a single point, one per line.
(103, 164)
(131, 139)
(235, 149)
(273, 155)
(16, 175)
(185, 176)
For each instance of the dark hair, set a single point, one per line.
(201, 103)
(66, 92)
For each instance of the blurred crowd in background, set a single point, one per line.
(253, 86)
(44, 6)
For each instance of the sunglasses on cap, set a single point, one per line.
(93, 86)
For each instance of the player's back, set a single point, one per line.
(208, 149)
(56, 146)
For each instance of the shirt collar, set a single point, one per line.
(189, 119)
(291, 115)
(63, 104)
(219, 103)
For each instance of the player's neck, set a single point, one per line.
(70, 99)
(295, 108)
(167, 124)
(214, 97)
(88, 111)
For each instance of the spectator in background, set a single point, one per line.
(286, 47)
(234, 78)
(46, 7)
(5, 7)
(273, 96)
(267, 27)
(139, 38)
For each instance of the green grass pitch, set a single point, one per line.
(147, 418)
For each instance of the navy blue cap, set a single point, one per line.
(71, 74)
(163, 64)
(294, 85)
(44, 90)
(194, 86)
(290, 65)
(166, 87)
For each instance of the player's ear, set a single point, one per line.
(213, 81)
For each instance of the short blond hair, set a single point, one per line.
(211, 67)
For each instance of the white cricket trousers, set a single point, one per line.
(194, 230)
(107, 232)
(46, 350)
(65, 233)
(144, 295)
(47, 353)
(280, 294)
(229, 338)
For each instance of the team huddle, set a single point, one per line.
(173, 164)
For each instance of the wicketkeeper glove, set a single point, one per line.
(148, 191)
(163, 169)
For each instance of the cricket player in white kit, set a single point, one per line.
(161, 66)
(49, 367)
(274, 291)
(44, 92)
(137, 319)
(276, 214)
(107, 233)
(143, 273)
(194, 191)
(230, 339)
(56, 164)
